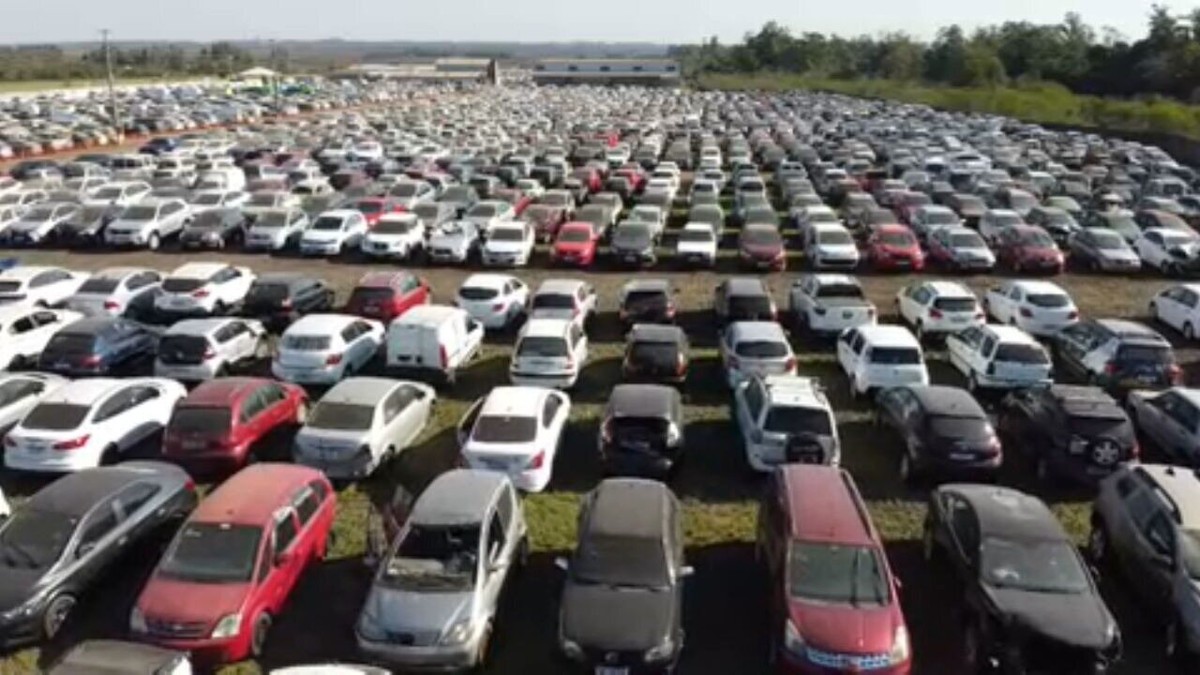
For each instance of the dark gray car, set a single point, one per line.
(642, 432)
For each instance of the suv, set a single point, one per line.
(785, 419)
(642, 431)
(938, 307)
(383, 296)
(1116, 354)
(827, 304)
(278, 299)
(834, 604)
(743, 299)
(1145, 520)
(1074, 431)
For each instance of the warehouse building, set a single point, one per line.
(645, 72)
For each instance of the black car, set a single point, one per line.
(656, 353)
(743, 299)
(112, 657)
(100, 345)
(622, 602)
(1076, 432)
(632, 245)
(214, 228)
(1031, 603)
(647, 301)
(63, 539)
(642, 431)
(86, 226)
(943, 429)
(279, 299)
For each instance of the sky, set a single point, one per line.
(660, 21)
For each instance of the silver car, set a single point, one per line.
(434, 600)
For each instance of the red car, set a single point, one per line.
(222, 421)
(834, 606)
(575, 245)
(590, 178)
(374, 208)
(231, 567)
(908, 203)
(636, 176)
(761, 246)
(519, 200)
(1028, 248)
(546, 220)
(894, 247)
(383, 296)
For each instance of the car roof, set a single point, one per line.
(426, 315)
(320, 323)
(222, 391)
(649, 284)
(746, 286)
(826, 279)
(546, 327)
(1009, 334)
(198, 270)
(457, 497)
(633, 508)
(360, 390)
(120, 272)
(26, 272)
(822, 507)
(253, 495)
(495, 281)
(75, 494)
(750, 330)
(887, 333)
(1126, 329)
(381, 279)
(340, 213)
(939, 399)
(1038, 286)
(795, 390)
(568, 286)
(1182, 487)
(949, 289)
(656, 332)
(514, 401)
(644, 400)
(1008, 513)
(84, 391)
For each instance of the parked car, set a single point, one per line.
(1178, 307)
(193, 350)
(880, 356)
(628, 567)
(1115, 354)
(63, 541)
(276, 229)
(785, 419)
(1170, 420)
(1028, 248)
(999, 357)
(633, 245)
(894, 247)
(84, 227)
(395, 236)
(696, 244)
(361, 423)
(90, 422)
(494, 300)
(743, 299)
(27, 330)
(563, 299)
(233, 564)
(436, 595)
(205, 289)
(508, 243)
(575, 244)
(656, 353)
(280, 299)
(761, 246)
(384, 296)
(755, 348)
(833, 602)
(943, 431)
(19, 393)
(121, 658)
(39, 285)
(516, 431)
(434, 338)
(549, 353)
(224, 424)
(1100, 249)
(453, 242)
(118, 291)
(827, 304)
(214, 228)
(1166, 250)
(334, 232)
(1040, 308)
(829, 246)
(959, 249)
(325, 348)
(99, 346)
(646, 301)
(39, 224)
(1010, 555)
(642, 431)
(148, 223)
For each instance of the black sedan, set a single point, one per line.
(1031, 603)
(655, 353)
(944, 431)
(100, 346)
(279, 299)
(642, 431)
(64, 538)
(214, 228)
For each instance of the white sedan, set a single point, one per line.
(118, 291)
(1040, 308)
(203, 289)
(19, 392)
(1179, 308)
(87, 422)
(334, 232)
(39, 285)
(494, 300)
(324, 348)
(516, 431)
(26, 329)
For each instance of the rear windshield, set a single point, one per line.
(553, 301)
(367, 295)
(955, 304)
(1145, 354)
(183, 345)
(798, 420)
(200, 420)
(71, 343)
(1021, 353)
(181, 284)
(647, 300)
(654, 352)
(839, 291)
(341, 416)
(761, 349)
(851, 575)
(1113, 424)
(271, 292)
(896, 356)
(746, 305)
(966, 240)
(542, 346)
(477, 293)
(504, 429)
(212, 553)
(394, 226)
(306, 343)
(959, 427)
(55, 417)
(1049, 300)
(99, 285)
(897, 239)
(9, 286)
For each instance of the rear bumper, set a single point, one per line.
(185, 373)
(306, 375)
(552, 380)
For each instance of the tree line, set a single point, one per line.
(50, 62)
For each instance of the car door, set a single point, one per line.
(1156, 550)
(1179, 428)
(963, 347)
(100, 541)
(964, 539)
(142, 416)
(748, 404)
(555, 410)
(496, 558)
(287, 559)
(1071, 348)
(1187, 315)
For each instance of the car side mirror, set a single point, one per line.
(562, 564)
(282, 559)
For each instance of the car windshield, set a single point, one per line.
(404, 190)
(261, 199)
(543, 346)
(483, 211)
(1108, 240)
(1049, 300)
(207, 199)
(507, 234)
(798, 420)
(55, 417)
(181, 284)
(1037, 566)
(341, 416)
(99, 285)
(621, 561)
(941, 218)
(761, 349)
(896, 356)
(966, 240)
(394, 226)
(369, 207)
(697, 235)
(504, 429)
(139, 213)
(574, 235)
(272, 219)
(208, 220)
(1010, 352)
(327, 223)
(834, 238)
(1035, 239)
(629, 234)
(553, 301)
(435, 559)
(34, 538)
(762, 236)
(830, 573)
(211, 553)
(202, 420)
(899, 239)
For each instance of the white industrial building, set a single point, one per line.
(646, 72)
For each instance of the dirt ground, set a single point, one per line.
(725, 605)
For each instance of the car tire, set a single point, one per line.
(57, 613)
(928, 545)
(919, 329)
(262, 349)
(1097, 543)
(1044, 475)
(854, 395)
(973, 384)
(258, 634)
(153, 242)
(451, 377)
(1189, 333)
(485, 646)
(109, 455)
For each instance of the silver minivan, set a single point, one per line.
(433, 603)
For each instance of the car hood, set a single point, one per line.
(1073, 619)
(447, 240)
(845, 629)
(572, 247)
(1117, 254)
(408, 611)
(184, 602)
(120, 224)
(697, 246)
(17, 586)
(762, 250)
(322, 236)
(619, 620)
(505, 246)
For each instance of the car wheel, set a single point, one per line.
(906, 468)
(920, 331)
(973, 383)
(219, 309)
(1043, 470)
(1097, 544)
(523, 552)
(56, 615)
(928, 546)
(258, 638)
(153, 242)
(1171, 639)
(485, 645)
(109, 455)
(1188, 332)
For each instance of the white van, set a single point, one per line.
(879, 356)
(434, 337)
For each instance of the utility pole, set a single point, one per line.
(112, 92)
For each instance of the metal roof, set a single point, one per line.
(252, 495)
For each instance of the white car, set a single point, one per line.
(696, 244)
(655, 216)
(148, 223)
(362, 422)
(827, 304)
(999, 357)
(203, 289)
(1039, 307)
(509, 244)
(490, 212)
(325, 348)
(1179, 308)
(19, 392)
(563, 299)
(755, 348)
(494, 300)
(85, 423)
(785, 419)
(549, 353)
(880, 356)
(39, 285)
(25, 330)
(276, 229)
(830, 246)
(118, 291)
(995, 221)
(262, 201)
(938, 308)
(194, 350)
(124, 193)
(408, 193)
(453, 242)
(334, 232)
(516, 431)
(1156, 245)
(396, 235)
(231, 199)
(39, 222)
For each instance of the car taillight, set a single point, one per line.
(1135, 453)
(200, 293)
(286, 303)
(10, 442)
(1110, 368)
(935, 313)
(1026, 312)
(189, 485)
(538, 460)
(443, 359)
(670, 311)
(606, 430)
(333, 359)
(680, 365)
(73, 444)
(1174, 373)
(111, 305)
(209, 353)
(790, 364)
(91, 360)
(1073, 315)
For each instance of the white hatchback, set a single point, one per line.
(879, 356)
(938, 307)
(494, 300)
(549, 353)
(324, 348)
(1041, 308)
(38, 285)
(203, 289)
(118, 291)
(193, 350)
(25, 330)
(999, 357)
(516, 431)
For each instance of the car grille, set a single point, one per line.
(177, 629)
(413, 638)
(847, 662)
(1046, 657)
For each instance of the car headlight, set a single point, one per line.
(792, 640)
(660, 652)
(570, 648)
(137, 621)
(458, 634)
(900, 646)
(369, 628)
(229, 626)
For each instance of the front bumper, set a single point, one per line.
(434, 659)
(551, 380)
(207, 650)
(992, 382)
(310, 248)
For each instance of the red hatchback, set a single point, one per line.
(231, 567)
(1028, 248)
(383, 296)
(575, 245)
(222, 421)
(374, 208)
(895, 247)
(834, 606)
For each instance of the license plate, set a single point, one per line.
(847, 315)
(193, 445)
(958, 319)
(962, 456)
(495, 465)
(631, 258)
(609, 670)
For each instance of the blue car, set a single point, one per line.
(159, 146)
(100, 346)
